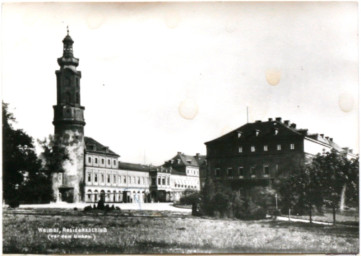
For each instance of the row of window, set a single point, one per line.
(265, 148)
(101, 160)
(241, 171)
(166, 181)
(115, 179)
(192, 172)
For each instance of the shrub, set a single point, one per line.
(14, 203)
(190, 199)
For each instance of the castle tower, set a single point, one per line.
(69, 127)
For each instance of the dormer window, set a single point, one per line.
(256, 132)
(276, 131)
(178, 161)
(239, 134)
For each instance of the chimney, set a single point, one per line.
(303, 131)
(258, 121)
(270, 119)
(293, 125)
(327, 137)
(179, 153)
(279, 119)
(197, 155)
(286, 122)
(331, 139)
(322, 135)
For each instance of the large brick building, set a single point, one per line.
(257, 154)
(93, 170)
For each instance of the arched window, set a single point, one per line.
(89, 194)
(77, 98)
(67, 97)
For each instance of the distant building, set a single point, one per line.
(175, 176)
(258, 153)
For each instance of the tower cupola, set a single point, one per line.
(68, 56)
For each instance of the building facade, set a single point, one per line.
(259, 153)
(176, 176)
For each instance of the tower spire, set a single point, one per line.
(68, 58)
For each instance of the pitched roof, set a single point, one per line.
(94, 146)
(267, 127)
(133, 167)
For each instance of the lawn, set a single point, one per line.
(155, 232)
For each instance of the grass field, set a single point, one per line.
(155, 232)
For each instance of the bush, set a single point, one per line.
(190, 199)
(14, 203)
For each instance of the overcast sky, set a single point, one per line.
(158, 78)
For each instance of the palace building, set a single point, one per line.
(93, 170)
(257, 154)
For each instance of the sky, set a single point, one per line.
(162, 78)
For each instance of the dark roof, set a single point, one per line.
(94, 146)
(267, 127)
(133, 167)
(186, 160)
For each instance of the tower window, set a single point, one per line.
(95, 177)
(89, 177)
(108, 178)
(77, 98)
(102, 177)
(67, 98)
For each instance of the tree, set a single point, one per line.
(336, 174)
(53, 156)
(301, 191)
(20, 161)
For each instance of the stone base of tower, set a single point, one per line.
(68, 186)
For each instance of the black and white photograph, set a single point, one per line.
(180, 127)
